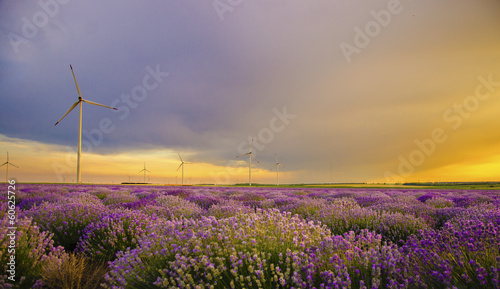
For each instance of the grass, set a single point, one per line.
(75, 272)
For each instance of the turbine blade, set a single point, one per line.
(148, 171)
(254, 158)
(70, 109)
(179, 167)
(276, 155)
(3, 164)
(95, 103)
(13, 165)
(242, 155)
(251, 145)
(180, 157)
(77, 87)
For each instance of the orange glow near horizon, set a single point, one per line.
(52, 163)
(39, 162)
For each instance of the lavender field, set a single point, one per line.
(71, 236)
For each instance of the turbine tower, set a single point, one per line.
(277, 165)
(7, 171)
(182, 165)
(250, 156)
(79, 102)
(144, 170)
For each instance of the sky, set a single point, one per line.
(342, 91)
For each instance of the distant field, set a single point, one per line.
(437, 186)
(458, 186)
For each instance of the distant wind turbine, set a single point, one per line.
(182, 166)
(250, 156)
(79, 102)
(7, 171)
(144, 170)
(277, 165)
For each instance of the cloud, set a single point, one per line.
(225, 78)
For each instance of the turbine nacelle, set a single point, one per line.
(277, 162)
(250, 154)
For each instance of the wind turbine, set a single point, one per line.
(144, 170)
(250, 156)
(80, 102)
(182, 165)
(277, 165)
(8, 163)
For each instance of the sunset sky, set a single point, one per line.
(342, 91)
